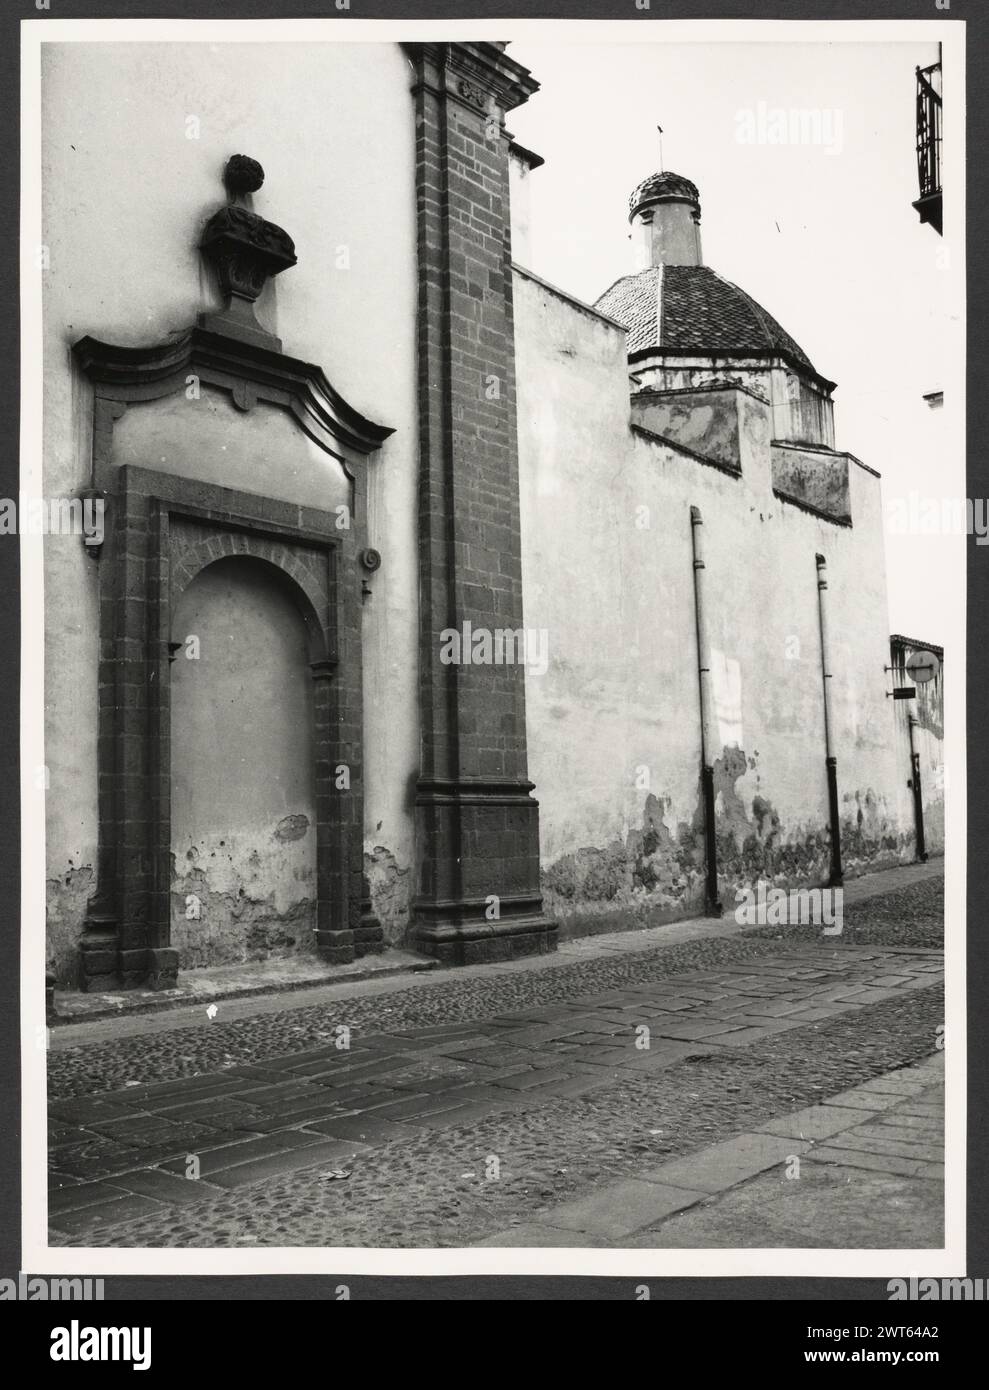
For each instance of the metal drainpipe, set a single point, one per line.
(831, 762)
(918, 803)
(708, 741)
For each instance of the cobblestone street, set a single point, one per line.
(476, 1110)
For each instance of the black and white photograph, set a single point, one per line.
(493, 511)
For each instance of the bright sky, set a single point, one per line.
(826, 241)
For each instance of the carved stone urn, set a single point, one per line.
(246, 251)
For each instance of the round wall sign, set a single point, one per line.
(922, 667)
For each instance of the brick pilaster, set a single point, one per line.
(477, 825)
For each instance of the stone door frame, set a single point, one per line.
(161, 530)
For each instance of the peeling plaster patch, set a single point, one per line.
(731, 766)
(869, 835)
(248, 896)
(67, 901)
(390, 887)
(651, 875)
(707, 421)
(236, 927)
(753, 845)
(590, 875)
(674, 866)
(292, 828)
(813, 479)
(656, 874)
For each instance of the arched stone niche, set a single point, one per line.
(164, 463)
(243, 815)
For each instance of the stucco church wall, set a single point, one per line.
(614, 722)
(135, 138)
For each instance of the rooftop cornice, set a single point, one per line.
(568, 298)
(897, 639)
(760, 354)
(527, 156)
(476, 73)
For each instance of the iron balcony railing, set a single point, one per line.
(929, 130)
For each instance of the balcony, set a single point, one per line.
(928, 205)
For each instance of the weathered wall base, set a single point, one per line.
(67, 898)
(228, 908)
(390, 886)
(656, 873)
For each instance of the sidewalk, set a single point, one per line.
(244, 980)
(864, 1170)
(245, 990)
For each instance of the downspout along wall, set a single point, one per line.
(708, 740)
(915, 783)
(831, 761)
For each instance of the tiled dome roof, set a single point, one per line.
(691, 309)
(665, 185)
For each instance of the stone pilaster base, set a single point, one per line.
(162, 968)
(99, 963)
(337, 947)
(473, 942)
(369, 937)
(479, 897)
(103, 967)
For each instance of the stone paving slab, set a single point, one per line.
(535, 1237)
(894, 1148)
(226, 1155)
(896, 1085)
(829, 1208)
(876, 1128)
(93, 1166)
(741, 1037)
(622, 1207)
(465, 1114)
(837, 1153)
(922, 1112)
(275, 1165)
(365, 1128)
(278, 1116)
(724, 1165)
(815, 1122)
(85, 1194)
(860, 1099)
(123, 1208)
(162, 1186)
(907, 1124)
